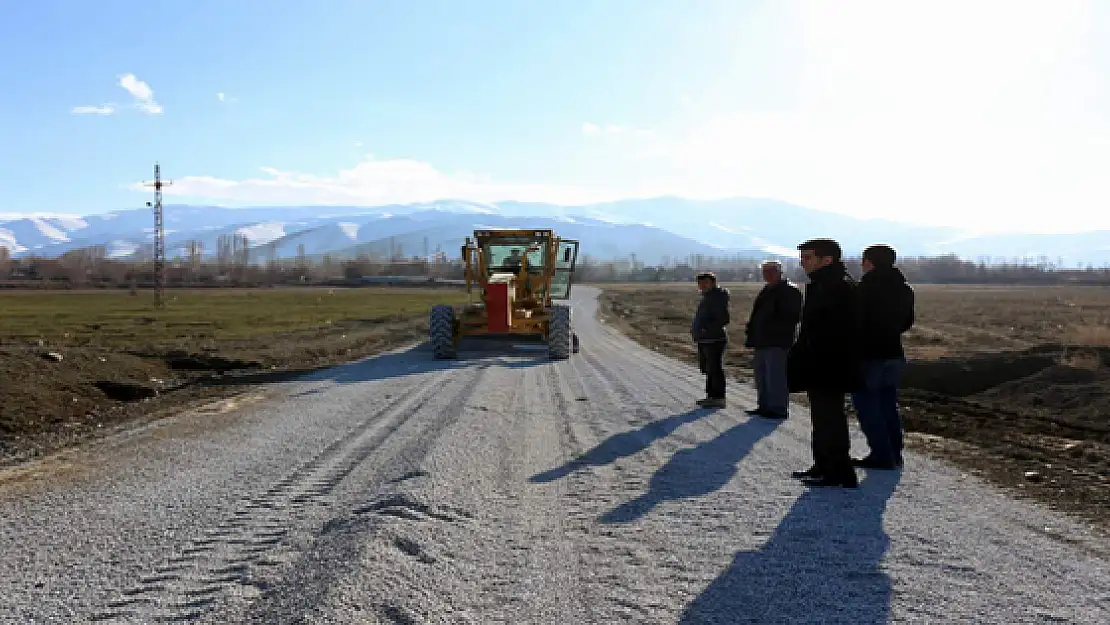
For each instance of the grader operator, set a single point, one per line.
(518, 274)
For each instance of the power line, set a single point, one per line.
(159, 237)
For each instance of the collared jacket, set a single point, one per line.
(826, 356)
(775, 316)
(710, 324)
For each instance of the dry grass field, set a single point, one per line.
(120, 357)
(1011, 383)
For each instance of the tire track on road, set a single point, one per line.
(474, 463)
(191, 583)
(335, 547)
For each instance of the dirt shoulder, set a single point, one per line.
(78, 365)
(1012, 385)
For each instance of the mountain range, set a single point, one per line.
(653, 230)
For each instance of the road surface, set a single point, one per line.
(504, 488)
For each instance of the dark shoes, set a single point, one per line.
(813, 478)
(712, 402)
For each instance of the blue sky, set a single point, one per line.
(937, 114)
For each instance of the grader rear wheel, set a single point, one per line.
(441, 332)
(559, 333)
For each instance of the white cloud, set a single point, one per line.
(139, 90)
(613, 130)
(143, 94)
(373, 182)
(103, 109)
(223, 97)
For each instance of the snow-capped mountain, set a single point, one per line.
(340, 231)
(650, 229)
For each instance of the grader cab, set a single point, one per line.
(518, 276)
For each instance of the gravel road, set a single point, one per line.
(504, 488)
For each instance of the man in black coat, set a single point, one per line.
(770, 332)
(710, 331)
(824, 361)
(886, 313)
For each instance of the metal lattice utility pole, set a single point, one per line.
(159, 237)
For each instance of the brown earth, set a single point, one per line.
(122, 360)
(1008, 383)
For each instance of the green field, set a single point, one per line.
(204, 317)
(118, 339)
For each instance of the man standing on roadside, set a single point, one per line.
(824, 361)
(770, 332)
(710, 331)
(886, 313)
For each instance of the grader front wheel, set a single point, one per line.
(441, 332)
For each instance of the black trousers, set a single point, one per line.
(711, 358)
(830, 439)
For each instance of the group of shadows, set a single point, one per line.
(822, 560)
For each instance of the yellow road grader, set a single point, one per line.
(518, 274)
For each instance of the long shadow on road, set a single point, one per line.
(696, 471)
(415, 360)
(622, 445)
(820, 565)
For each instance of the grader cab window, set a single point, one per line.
(503, 257)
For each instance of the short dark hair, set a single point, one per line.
(880, 255)
(822, 247)
(707, 275)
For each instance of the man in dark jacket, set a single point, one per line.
(770, 332)
(824, 361)
(710, 331)
(886, 312)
